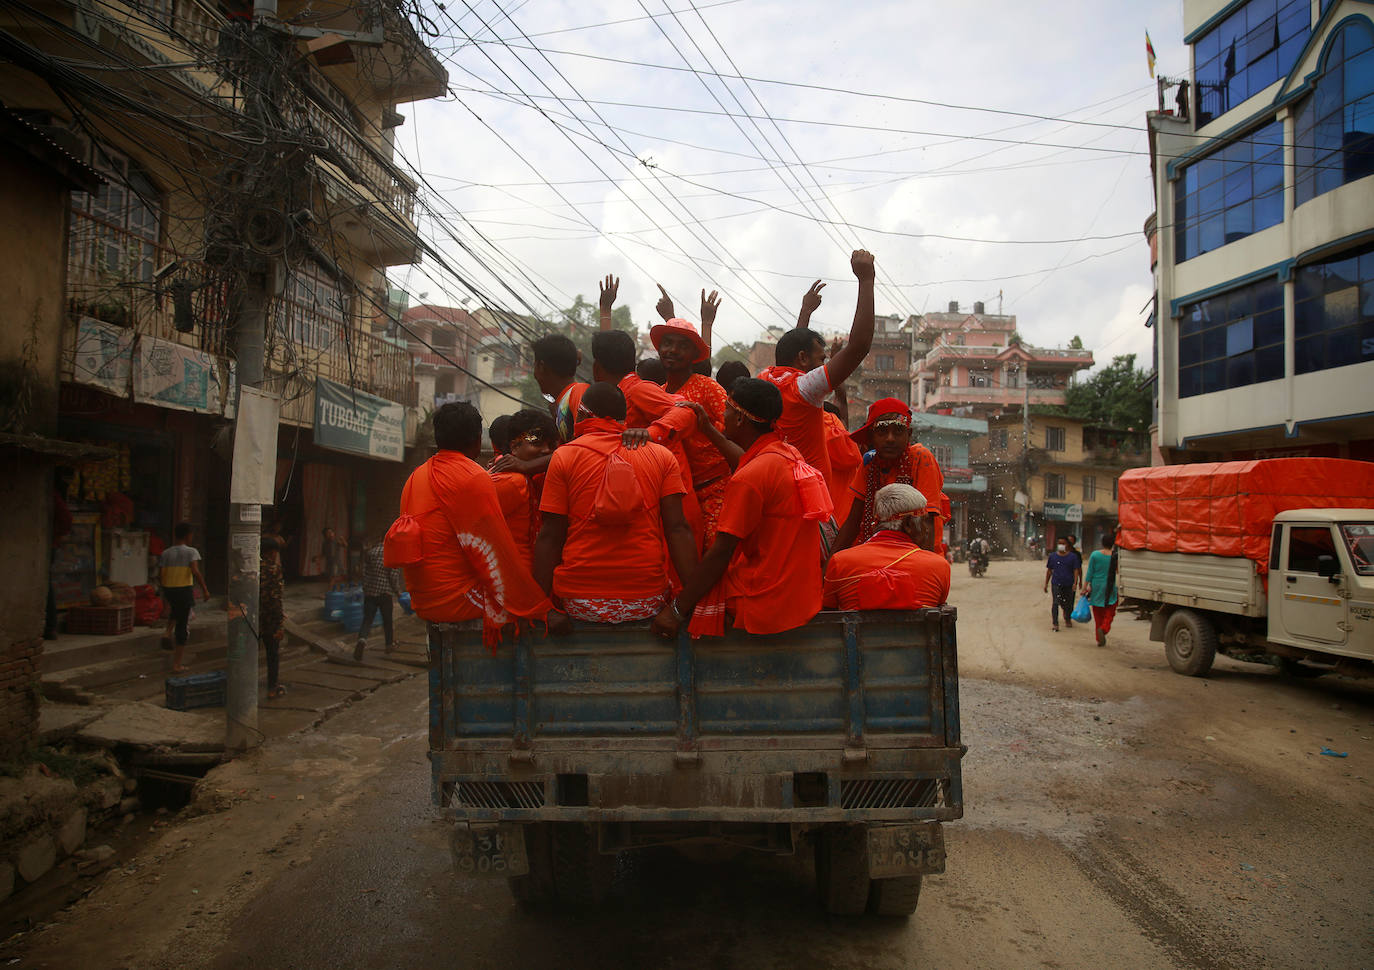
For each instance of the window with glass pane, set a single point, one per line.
(1089, 488)
(126, 221)
(944, 455)
(1054, 439)
(1251, 49)
(1233, 192)
(314, 307)
(1334, 133)
(1231, 340)
(1334, 312)
(1054, 486)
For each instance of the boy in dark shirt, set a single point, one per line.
(1063, 570)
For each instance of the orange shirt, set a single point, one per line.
(470, 566)
(803, 423)
(519, 498)
(707, 463)
(609, 562)
(774, 580)
(845, 458)
(888, 572)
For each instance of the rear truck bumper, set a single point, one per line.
(644, 781)
(894, 849)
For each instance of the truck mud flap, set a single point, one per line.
(489, 849)
(905, 850)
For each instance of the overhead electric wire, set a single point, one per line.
(531, 165)
(741, 272)
(833, 234)
(855, 243)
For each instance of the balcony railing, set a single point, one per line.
(110, 276)
(363, 163)
(956, 396)
(320, 342)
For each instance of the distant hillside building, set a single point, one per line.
(977, 363)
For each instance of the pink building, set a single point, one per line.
(978, 361)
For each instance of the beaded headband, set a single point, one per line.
(731, 402)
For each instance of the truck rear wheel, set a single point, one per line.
(894, 897)
(582, 876)
(842, 869)
(1190, 643)
(536, 886)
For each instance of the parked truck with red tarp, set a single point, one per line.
(1269, 561)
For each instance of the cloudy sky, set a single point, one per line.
(581, 139)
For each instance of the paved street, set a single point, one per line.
(1117, 815)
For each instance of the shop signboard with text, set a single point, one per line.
(1063, 512)
(360, 423)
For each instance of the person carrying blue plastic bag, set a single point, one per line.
(1063, 570)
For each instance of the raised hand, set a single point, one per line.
(861, 262)
(811, 300)
(709, 306)
(610, 286)
(664, 306)
(836, 345)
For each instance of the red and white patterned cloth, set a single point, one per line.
(615, 611)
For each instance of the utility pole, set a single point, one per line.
(245, 520)
(1025, 454)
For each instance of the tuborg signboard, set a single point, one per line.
(1063, 512)
(364, 424)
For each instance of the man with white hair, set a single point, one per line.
(895, 569)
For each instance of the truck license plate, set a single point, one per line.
(905, 850)
(490, 849)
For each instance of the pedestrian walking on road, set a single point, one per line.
(1099, 586)
(271, 616)
(1063, 571)
(379, 585)
(179, 573)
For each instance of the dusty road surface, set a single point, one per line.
(1117, 815)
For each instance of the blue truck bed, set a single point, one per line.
(852, 718)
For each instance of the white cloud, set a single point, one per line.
(1050, 58)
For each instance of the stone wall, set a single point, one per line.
(19, 696)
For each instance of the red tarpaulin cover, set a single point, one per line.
(1227, 508)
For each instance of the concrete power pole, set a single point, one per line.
(245, 538)
(245, 521)
(1025, 455)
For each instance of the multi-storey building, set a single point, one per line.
(949, 439)
(239, 165)
(977, 362)
(1264, 194)
(1061, 478)
(440, 340)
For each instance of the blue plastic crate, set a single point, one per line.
(196, 690)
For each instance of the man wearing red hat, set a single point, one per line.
(679, 347)
(804, 377)
(895, 458)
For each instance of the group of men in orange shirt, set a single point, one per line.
(683, 503)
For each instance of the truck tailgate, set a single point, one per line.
(854, 716)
